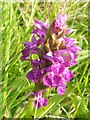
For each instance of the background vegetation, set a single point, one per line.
(16, 24)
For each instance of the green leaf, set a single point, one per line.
(81, 109)
(29, 109)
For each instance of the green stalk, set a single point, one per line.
(31, 17)
(0, 62)
(7, 53)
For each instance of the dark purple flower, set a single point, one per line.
(25, 54)
(39, 32)
(59, 23)
(37, 63)
(35, 75)
(31, 45)
(40, 41)
(38, 95)
(39, 100)
(54, 59)
(41, 28)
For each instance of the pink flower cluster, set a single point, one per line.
(56, 53)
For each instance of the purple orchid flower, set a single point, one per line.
(59, 23)
(31, 45)
(51, 69)
(41, 28)
(57, 75)
(25, 54)
(35, 75)
(39, 100)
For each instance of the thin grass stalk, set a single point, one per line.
(7, 53)
(0, 60)
(32, 15)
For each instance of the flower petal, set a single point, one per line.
(61, 89)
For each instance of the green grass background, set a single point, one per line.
(16, 24)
